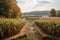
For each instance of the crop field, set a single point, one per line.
(50, 26)
(50, 19)
(10, 27)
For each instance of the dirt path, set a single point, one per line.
(21, 34)
(35, 33)
(31, 31)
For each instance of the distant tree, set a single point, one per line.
(58, 13)
(52, 13)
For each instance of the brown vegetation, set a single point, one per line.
(9, 8)
(10, 27)
(51, 26)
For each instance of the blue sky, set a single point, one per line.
(38, 5)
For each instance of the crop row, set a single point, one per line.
(10, 27)
(51, 28)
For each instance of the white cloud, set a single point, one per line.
(38, 5)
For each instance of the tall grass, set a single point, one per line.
(10, 27)
(50, 27)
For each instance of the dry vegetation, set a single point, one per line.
(10, 27)
(50, 26)
(50, 19)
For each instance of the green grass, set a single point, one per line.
(10, 27)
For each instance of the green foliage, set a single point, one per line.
(4, 7)
(52, 13)
(8, 8)
(58, 13)
(51, 28)
(10, 27)
(13, 15)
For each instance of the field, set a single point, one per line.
(10, 27)
(50, 19)
(49, 26)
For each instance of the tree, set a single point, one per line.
(58, 13)
(9, 8)
(52, 13)
(3, 8)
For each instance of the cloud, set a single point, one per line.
(41, 2)
(57, 4)
(32, 5)
(22, 1)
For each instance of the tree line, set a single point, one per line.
(54, 13)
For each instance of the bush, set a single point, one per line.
(51, 28)
(10, 27)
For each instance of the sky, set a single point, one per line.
(38, 5)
